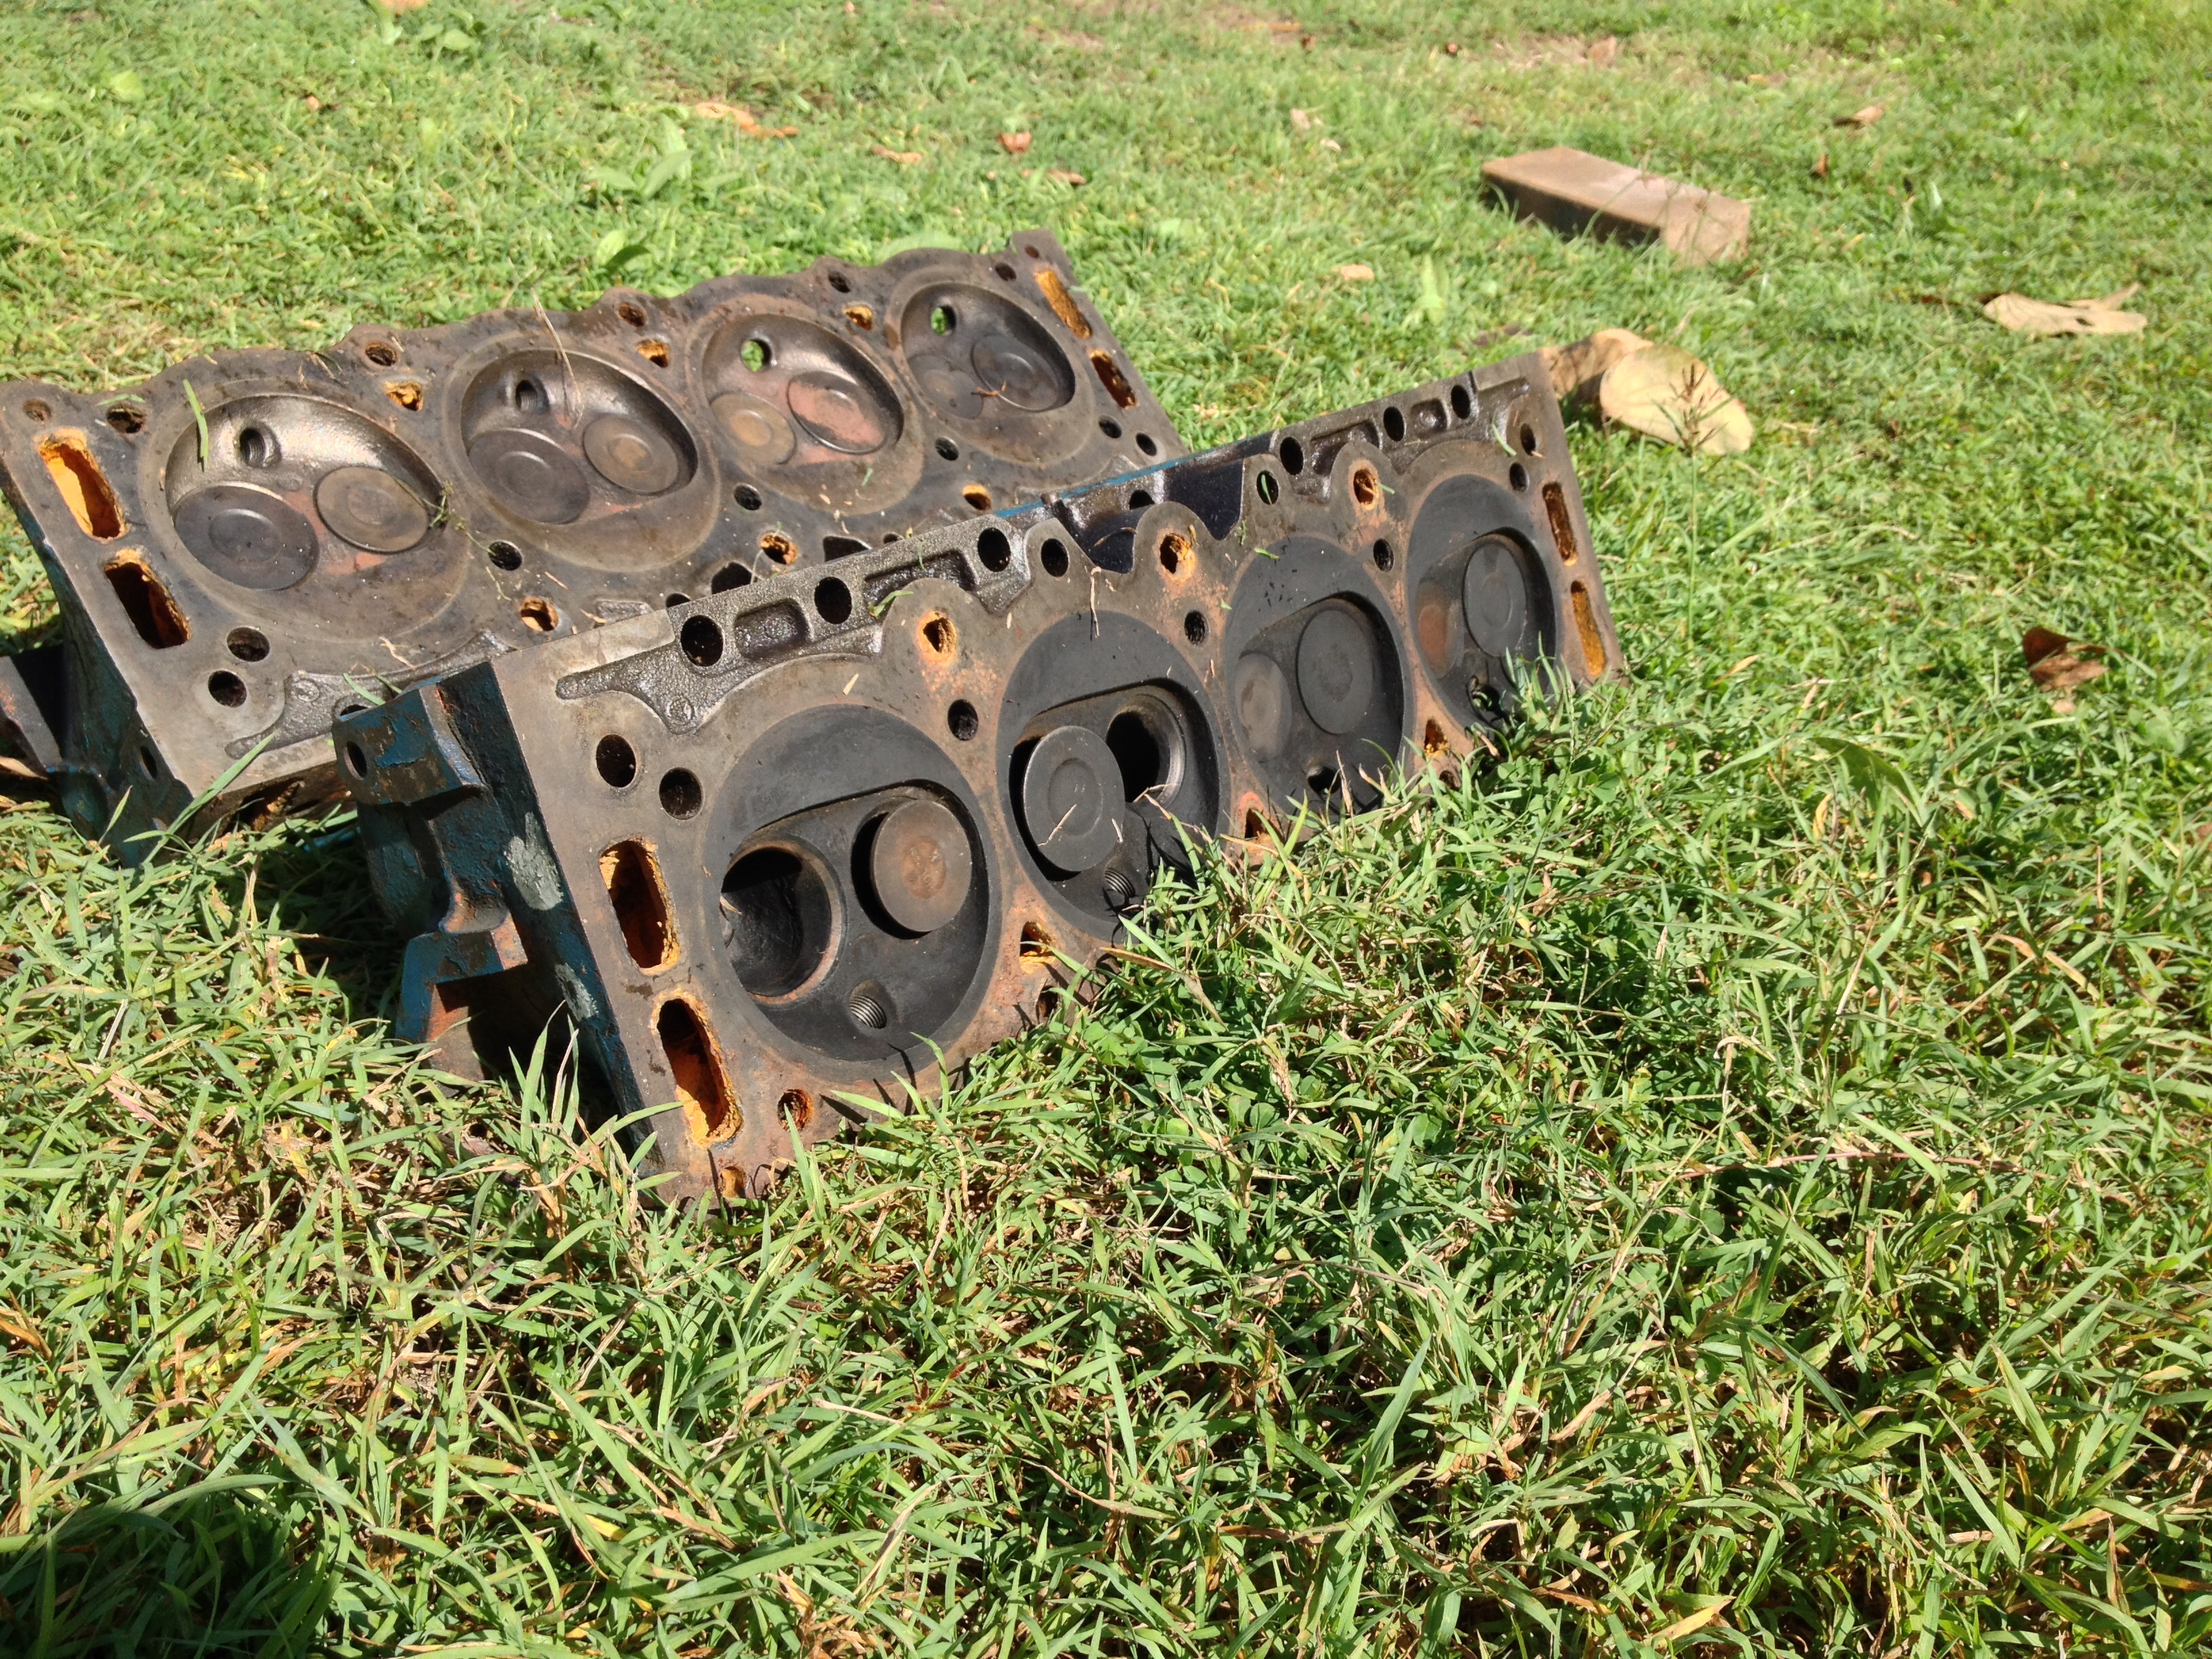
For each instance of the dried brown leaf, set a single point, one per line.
(1356, 273)
(1664, 393)
(1603, 51)
(1861, 119)
(17, 1326)
(1575, 369)
(2039, 318)
(905, 158)
(1065, 176)
(2056, 663)
(1301, 120)
(1014, 144)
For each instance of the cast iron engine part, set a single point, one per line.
(255, 541)
(785, 853)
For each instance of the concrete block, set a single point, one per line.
(1572, 189)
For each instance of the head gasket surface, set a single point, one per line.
(253, 541)
(782, 853)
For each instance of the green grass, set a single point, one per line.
(1746, 1158)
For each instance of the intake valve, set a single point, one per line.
(1494, 594)
(247, 535)
(921, 866)
(1336, 670)
(531, 474)
(1071, 799)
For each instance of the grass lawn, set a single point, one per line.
(1734, 1177)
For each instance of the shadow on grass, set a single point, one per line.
(205, 1571)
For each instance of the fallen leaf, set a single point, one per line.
(2056, 663)
(1301, 120)
(2039, 318)
(1576, 368)
(1065, 176)
(1014, 144)
(314, 104)
(1861, 118)
(747, 122)
(1452, 48)
(1603, 50)
(1664, 393)
(1820, 167)
(1356, 273)
(1331, 143)
(403, 5)
(1695, 1621)
(905, 158)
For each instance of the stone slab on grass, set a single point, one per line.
(1572, 189)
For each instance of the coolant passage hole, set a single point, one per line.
(776, 906)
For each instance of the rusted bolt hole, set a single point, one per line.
(227, 689)
(962, 721)
(1053, 557)
(407, 394)
(504, 555)
(538, 613)
(797, 1107)
(382, 353)
(1433, 741)
(1366, 488)
(631, 313)
(125, 420)
(1176, 555)
(778, 547)
(938, 636)
(37, 409)
(860, 317)
(616, 761)
(680, 794)
(654, 352)
(248, 644)
(1037, 943)
(701, 640)
(976, 496)
(1193, 626)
